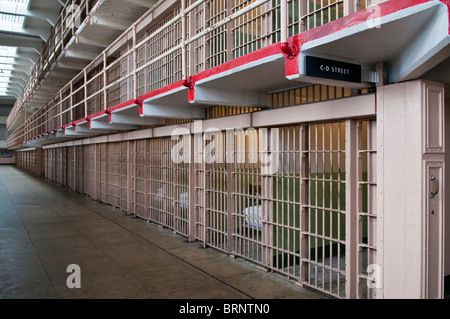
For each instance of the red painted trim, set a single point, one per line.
(121, 106)
(160, 91)
(96, 114)
(157, 92)
(109, 112)
(292, 66)
(80, 121)
(188, 82)
(240, 61)
(191, 93)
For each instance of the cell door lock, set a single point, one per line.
(436, 183)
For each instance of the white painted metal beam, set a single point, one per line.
(50, 16)
(244, 85)
(118, 118)
(83, 55)
(77, 131)
(218, 96)
(61, 74)
(142, 3)
(130, 116)
(102, 123)
(70, 65)
(84, 129)
(430, 47)
(172, 104)
(110, 22)
(193, 111)
(86, 39)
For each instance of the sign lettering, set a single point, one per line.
(332, 69)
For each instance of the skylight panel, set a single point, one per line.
(5, 60)
(13, 23)
(18, 3)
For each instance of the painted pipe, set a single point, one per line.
(183, 41)
(287, 48)
(188, 82)
(290, 49)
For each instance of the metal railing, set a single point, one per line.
(69, 23)
(196, 36)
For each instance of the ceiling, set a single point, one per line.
(24, 28)
(26, 25)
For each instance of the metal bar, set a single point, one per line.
(159, 30)
(349, 7)
(283, 21)
(351, 208)
(105, 81)
(183, 41)
(305, 199)
(177, 47)
(226, 20)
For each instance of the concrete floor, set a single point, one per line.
(45, 227)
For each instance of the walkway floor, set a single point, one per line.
(44, 228)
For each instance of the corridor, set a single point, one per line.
(44, 228)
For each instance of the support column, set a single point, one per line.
(129, 176)
(411, 189)
(192, 199)
(447, 195)
(351, 189)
